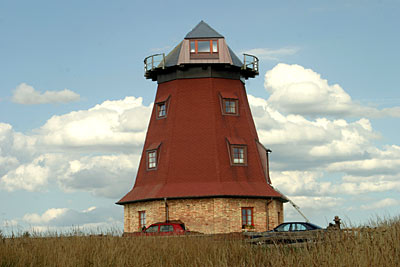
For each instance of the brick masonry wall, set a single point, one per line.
(207, 215)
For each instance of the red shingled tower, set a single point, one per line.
(202, 162)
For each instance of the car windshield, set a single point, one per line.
(283, 228)
(152, 229)
(312, 226)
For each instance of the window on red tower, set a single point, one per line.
(161, 106)
(142, 219)
(204, 48)
(247, 217)
(161, 110)
(152, 156)
(152, 159)
(239, 154)
(230, 106)
(229, 103)
(237, 151)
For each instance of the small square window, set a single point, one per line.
(152, 159)
(230, 106)
(239, 154)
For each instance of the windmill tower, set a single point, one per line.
(202, 162)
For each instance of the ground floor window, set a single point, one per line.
(247, 217)
(142, 219)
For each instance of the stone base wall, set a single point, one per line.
(206, 215)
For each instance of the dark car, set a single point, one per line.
(289, 232)
(296, 226)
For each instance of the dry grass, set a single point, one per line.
(371, 247)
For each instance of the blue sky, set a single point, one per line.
(74, 104)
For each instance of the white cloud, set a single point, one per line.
(46, 217)
(95, 150)
(382, 162)
(272, 54)
(369, 186)
(299, 143)
(297, 90)
(92, 218)
(9, 223)
(312, 206)
(381, 204)
(27, 95)
(302, 183)
(31, 177)
(107, 176)
(115, 125)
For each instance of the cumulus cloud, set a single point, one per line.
(47, 216)
(383, 162)
(272, 54)
(297, 90)
(316, 158)
(95, 150)
(31, 177)
(305, 151)
(27, 95)
(64, 218)
(9, 223)
(107, 176)
(381, 204)
(300, 143)
(302, 183)
(311, 206)
(114, 125)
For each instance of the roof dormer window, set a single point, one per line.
(204, 48)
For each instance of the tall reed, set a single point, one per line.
(378, 246)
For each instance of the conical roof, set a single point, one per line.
(194, 142)
(203, 30)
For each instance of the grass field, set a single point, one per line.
(378, 246)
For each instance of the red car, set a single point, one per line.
(163, 228)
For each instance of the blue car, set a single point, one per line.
(296, 226)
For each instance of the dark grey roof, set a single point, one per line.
(172, 58)
(203, 30)
(235, 60)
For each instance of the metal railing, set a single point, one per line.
(250, 62)
(154, 61)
